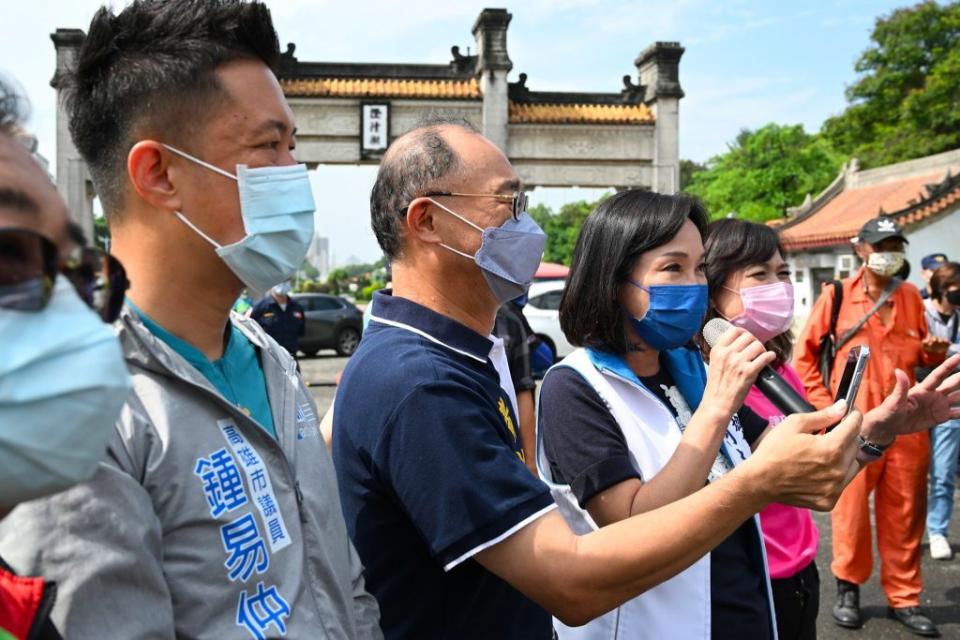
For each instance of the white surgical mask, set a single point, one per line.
(277, 208)
(885, 263)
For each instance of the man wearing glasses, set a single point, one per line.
(63, 381)
(214, 513)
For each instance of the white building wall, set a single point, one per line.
(942, 235)
(319, 255)
(809, 270)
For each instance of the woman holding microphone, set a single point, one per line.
(631, 420)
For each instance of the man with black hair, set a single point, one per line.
(214, 513)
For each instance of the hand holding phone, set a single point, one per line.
(853, 371)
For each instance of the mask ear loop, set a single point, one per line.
(736, 292)
(462, 219)
(216, 169)
(183, 219)
(200, 162)
(649, 300)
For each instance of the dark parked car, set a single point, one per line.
(332, 323)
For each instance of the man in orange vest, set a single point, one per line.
(896, 333)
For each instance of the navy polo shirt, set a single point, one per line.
(428, 457)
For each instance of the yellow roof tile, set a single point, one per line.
(580, 113)
(381, 88)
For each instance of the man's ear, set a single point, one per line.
(149, 169)
(420, 221)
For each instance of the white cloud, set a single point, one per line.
(716, 109)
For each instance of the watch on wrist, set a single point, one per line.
(870, 450)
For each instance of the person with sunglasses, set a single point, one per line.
(63, 381)
(215, 512)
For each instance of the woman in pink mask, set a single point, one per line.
(749, 283)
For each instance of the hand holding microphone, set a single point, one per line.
(736, 358)
(724, 337)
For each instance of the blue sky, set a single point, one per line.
(746, 63)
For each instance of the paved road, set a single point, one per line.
(941, 598)
(320, 373)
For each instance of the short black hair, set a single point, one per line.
(413, 165)
(150, 70)
(944, 277)
(731, 245)
(12, 109)
(612, 239)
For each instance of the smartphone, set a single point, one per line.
(852, 376)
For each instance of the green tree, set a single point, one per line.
(309, 271)
(906, 102)
(563, 227)
(337, 280)
(765, 171)
(688, 168)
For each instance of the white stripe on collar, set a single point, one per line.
(426, 335)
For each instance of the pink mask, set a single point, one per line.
(767, 309)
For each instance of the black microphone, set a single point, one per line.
(776, 389)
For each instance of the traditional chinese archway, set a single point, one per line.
(347, 113)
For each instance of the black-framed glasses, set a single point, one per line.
(30, 263)
(518, 199)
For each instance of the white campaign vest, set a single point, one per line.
(680, 607)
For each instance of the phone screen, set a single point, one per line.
(853, 371)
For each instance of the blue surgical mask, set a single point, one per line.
(63, 383)
(674, 316)
(277, 208)
(509, 255)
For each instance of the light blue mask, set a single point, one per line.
(63, 382)
(509, 255)
(277, 208)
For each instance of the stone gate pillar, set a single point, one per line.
(73, 179)
(659, 67)
(490, 31)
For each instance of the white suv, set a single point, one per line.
(543, 314)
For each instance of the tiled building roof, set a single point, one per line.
(457, 80)
(580, 113)
(837, 217)
(519, 112)
(381, 88)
